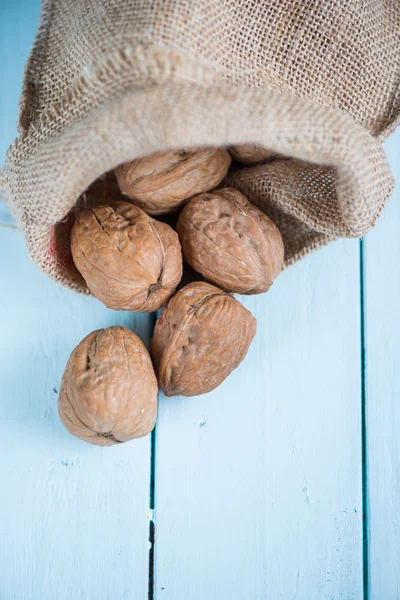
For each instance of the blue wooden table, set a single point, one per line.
(283, 483)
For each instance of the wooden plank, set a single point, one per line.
(73, 517)
(258, 484)
(18, 24)
(382, 334)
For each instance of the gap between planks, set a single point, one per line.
(152, 498)
(364, 456)
(364, 440)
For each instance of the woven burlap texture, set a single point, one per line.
(108, 80)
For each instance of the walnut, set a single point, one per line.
(251, 154)
(231, 242)
(108, 392)
(128, 260)
(163, 182)
(200, 337)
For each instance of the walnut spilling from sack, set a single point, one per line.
(251, 154)
(164, 182)
(200, 337)
(108, 391)
(128, 260)
(231, 242)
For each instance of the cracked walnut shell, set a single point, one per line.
(128, 260)
(202, 335)
(231, 242)
(108, 391)
(163, 182)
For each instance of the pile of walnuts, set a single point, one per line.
(132, 261)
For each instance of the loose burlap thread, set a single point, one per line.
(108, 81)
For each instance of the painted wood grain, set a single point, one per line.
(258, 484)
(74, 518)
(382, 353)
(18, 24)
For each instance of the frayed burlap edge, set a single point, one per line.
(141, 121)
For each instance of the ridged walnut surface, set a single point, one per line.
(109, 390)
(199, 339)
(163, 182)
(128, 260)
(231, 242)
(250, 154)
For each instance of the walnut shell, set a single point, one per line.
(128, 260)
(163, 182)
(231, 242)
(200, 337)
(250, 154)
(108, 391)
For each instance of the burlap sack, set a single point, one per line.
(316, 81)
